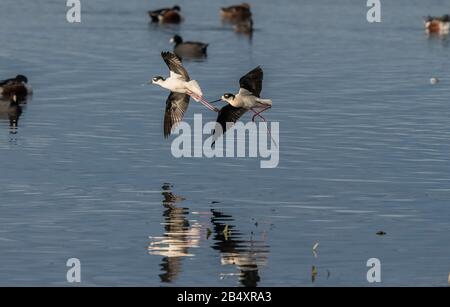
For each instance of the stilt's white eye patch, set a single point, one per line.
(228, 96)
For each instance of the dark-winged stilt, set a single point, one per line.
(248, 98)
(181, 87)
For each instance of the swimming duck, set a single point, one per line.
(437, 24)
(188, 49)
(236, 13)
(166, 15)
(15, 86)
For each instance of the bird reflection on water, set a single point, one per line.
(11, 110)
(182, 235)
(179, 236)
(247, 255)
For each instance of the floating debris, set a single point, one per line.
(226, 232)
(316, 245)
(434, 80)
(313, 273)
(314, 249)
(381, 233)
(215, 202)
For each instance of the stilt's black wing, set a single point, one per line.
(175, 65)
(228, 114)
(176, 106)
(252, 81)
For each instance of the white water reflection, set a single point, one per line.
(180, 236)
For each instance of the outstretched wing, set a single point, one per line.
(252, 81)
(228, 114)
(175, 65)
(176, 106)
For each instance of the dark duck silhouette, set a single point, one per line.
(188, 49)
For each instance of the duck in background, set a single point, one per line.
(166, 15)
(17, 86)
(236, 13)
(440, 25)
(188, 49)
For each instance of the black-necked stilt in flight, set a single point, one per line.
(248, 98)
(181, 88)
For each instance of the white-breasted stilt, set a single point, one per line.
(181, 88)
(248, 98)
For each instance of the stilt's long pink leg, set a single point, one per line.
(213, 108)
(203, 101)
(267, 125)
(259, 112)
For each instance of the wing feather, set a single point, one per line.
(228, 114)
(176, 106)
(175, 65)
(252, 81)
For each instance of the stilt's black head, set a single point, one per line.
(446, 18)
(228, 96)
(157, 79)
